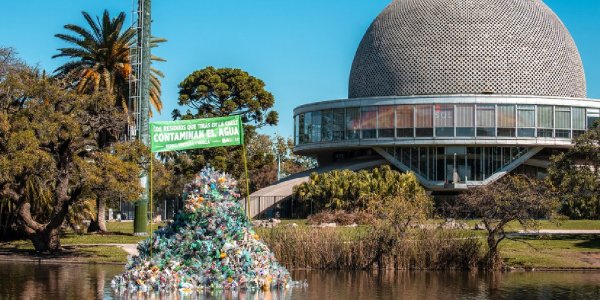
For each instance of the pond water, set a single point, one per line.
(72, 281)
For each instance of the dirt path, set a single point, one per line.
(131, 249)
(557, 231)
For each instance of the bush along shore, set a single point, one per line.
(362, 248)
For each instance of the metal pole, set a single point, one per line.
(278, 166)
(144, 33)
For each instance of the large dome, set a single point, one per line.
(424, 47)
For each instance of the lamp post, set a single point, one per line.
(278, 155)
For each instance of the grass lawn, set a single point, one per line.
(118, 233)
(78, 247)
(545, 224)
(556, 251)
(72, 253)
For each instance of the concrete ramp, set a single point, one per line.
(268, 197)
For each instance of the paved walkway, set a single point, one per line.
(558, 231)
(131, 249)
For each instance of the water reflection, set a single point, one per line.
(68, 281)
(54, 281)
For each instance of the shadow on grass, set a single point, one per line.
(583, 241)
(106, 233)
(593, 243)
(69, 252)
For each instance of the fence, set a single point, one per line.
(260, 207)
(166, 209)
(265, 207)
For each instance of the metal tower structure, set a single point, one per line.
(139, 98)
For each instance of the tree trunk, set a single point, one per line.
(99, 225)
(493, 260)
(47, 240)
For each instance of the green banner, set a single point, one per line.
(197, 133)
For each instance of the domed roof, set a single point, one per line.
(424, 47)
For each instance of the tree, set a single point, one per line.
(101, 58)
(9, 62)
(102, 64)
(512, 198)
(46, 166)
(117, 169)
(214, 92)
(407, 203)
(576, 175)
(290, 162)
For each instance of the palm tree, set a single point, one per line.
(101, 62)
(101, 58)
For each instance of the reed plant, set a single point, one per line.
(369, 247)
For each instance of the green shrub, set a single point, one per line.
(351, 191)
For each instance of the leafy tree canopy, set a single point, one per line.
(49, 158)
(576, 175)
(212, 92)
(101, 60)
(512, 198)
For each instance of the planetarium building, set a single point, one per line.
(460, 92)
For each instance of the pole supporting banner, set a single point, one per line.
(247, 180)
(151, 204)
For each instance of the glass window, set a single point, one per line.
(326, 125)
(338, 124)
(444, 120)
(305, 120)
(563, 133)
(424, 120)
(296, 132)
(526, 116)
(545, 121)
(465, 120)
(578, 114)
(592, 116)
(526, 121)
(440, 162)
(506, 120)
(563, 117)
(545, 118)
(315, 133)
(506, 116)
(368, 122)
(423, 162)
(486, 121)
(526, 132)
(385, 121)
(353, 123)
(404, 121)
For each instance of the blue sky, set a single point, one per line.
(302, 49)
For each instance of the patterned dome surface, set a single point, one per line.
(425, 47)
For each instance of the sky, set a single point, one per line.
(301, 49)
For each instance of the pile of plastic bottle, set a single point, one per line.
(210, 245)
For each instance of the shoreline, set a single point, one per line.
(7, 256)
(575, 247)
(53, 261)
